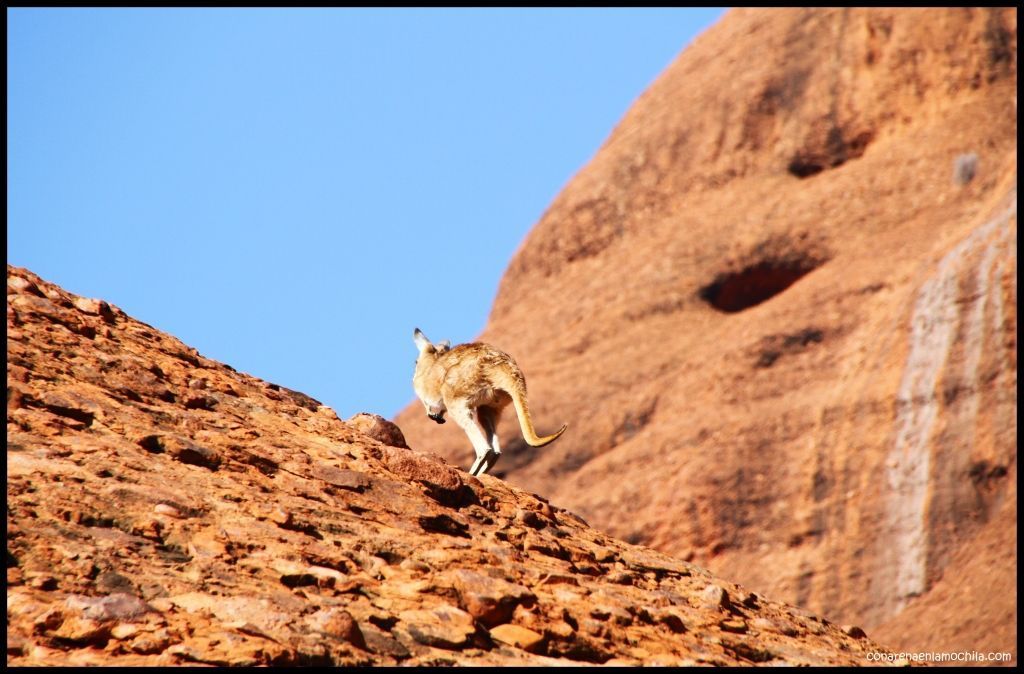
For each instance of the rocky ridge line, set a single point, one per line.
(164, 509)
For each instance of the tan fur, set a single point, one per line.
(474, 382)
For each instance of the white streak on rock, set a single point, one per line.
(933, 328)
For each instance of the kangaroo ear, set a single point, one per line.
(420, 339)
(443, 345)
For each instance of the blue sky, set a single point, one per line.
(291, 192)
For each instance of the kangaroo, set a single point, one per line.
(474, 382)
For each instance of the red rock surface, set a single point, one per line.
(164, 509)
(778, 312)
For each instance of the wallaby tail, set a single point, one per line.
(516, 388)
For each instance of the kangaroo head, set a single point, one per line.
(425, 381)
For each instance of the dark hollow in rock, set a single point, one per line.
(76, 414)
(264, 465)
(200, 403)
(804, 167)
(294, 580)
(152, 444)
(981, 472)
(306, 528)
(196, 455)
(735, 291)
(835, 151)
(443, 524)
(453, 498)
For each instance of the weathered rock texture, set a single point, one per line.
(163, 508)
(778, 312)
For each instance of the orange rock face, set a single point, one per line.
(778, 312)
(164, 509)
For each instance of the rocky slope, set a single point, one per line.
(163, 508)
(778, 312)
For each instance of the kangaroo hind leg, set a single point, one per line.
(468, 419)
(489, 422)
